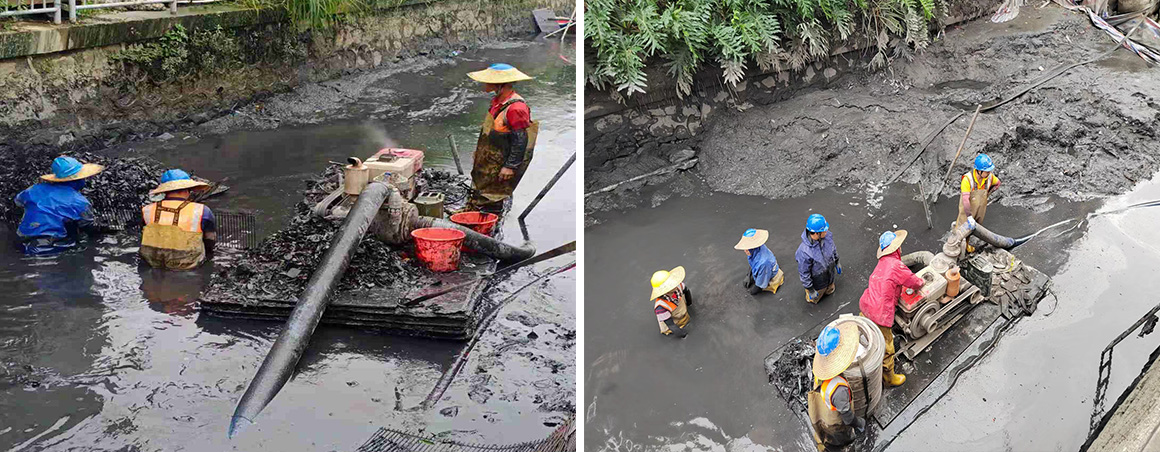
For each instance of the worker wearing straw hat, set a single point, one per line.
(671, 300)
(55, 211)
(763, 274)
(887, 281)
(178, 232)
(506, 140)
(830, 402)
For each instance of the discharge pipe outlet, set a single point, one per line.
(479, 242)
(996, 240)
(283, 357)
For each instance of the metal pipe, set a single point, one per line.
(551, 183)
(479, 242)
(283, 357)
(455, 154)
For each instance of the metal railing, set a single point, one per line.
(22, 7)
(73, 6)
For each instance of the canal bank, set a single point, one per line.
(122, 359)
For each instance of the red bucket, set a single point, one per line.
(480, 222)
(438, 248)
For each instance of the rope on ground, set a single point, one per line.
(1057, 71)
(461, 360)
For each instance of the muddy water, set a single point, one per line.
(645, 391)
(97, 352)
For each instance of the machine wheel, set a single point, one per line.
(923, 320)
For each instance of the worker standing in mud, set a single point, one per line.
(977, 187)
(887, 281)
(671, 300)
(817, 259)
(763, 274)
(830, 402)
(179, 234)
(506, 140)
(55, 211)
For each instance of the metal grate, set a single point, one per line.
(562, 440)
(236, 230)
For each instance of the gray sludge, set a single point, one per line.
(283, 357)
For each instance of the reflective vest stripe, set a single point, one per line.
(500, 124)
(971, 178)
(831, 385)
(668, 305)
(188, 219)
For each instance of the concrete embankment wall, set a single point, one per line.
(638, 134)
(127, 67)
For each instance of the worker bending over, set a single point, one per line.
(178, 233)
(977, 187)
(817, 259)
(55, 211)
(671, 300)
(830, 401)
(506, 140)
(763, 274)
(887, 281)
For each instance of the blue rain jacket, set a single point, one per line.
(53, 210)
(817, 261)
(763, 265)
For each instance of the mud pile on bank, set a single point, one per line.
(122, 187)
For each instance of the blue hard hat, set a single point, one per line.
(886, 239)
(983, 163)
(828, 340)
(749, 232)
(174, 174)
(65, 167)
(817, 223)
(501, 66)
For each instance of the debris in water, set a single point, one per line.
(791, 372)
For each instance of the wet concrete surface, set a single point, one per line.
(645, 391)
(97, 352)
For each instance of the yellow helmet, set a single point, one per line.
(659, 278)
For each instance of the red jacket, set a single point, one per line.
(886, 283)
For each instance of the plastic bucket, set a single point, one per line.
(438, 248)
(481, 222)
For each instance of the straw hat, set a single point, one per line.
(841, 350)
(667, 281)
(66, 169)
(176, 179)
(752, 238)
(499, 73)
(890, 242)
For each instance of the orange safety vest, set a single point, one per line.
(500, 123)
(172, 237)
(833, 384)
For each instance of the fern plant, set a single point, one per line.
(688, 35)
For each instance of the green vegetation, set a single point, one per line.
(179, 54)
(623, 35)
(320, 14)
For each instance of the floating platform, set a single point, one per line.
(448, 316)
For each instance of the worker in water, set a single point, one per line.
(671, 300)
(889, 279)
(178, 233)
(55, 211)
(830, 403)
(977, 187)
(817, 259)
(506, 140)
(763, 274)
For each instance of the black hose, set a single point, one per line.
(283, 357)
(481, 243)
(998, 241)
